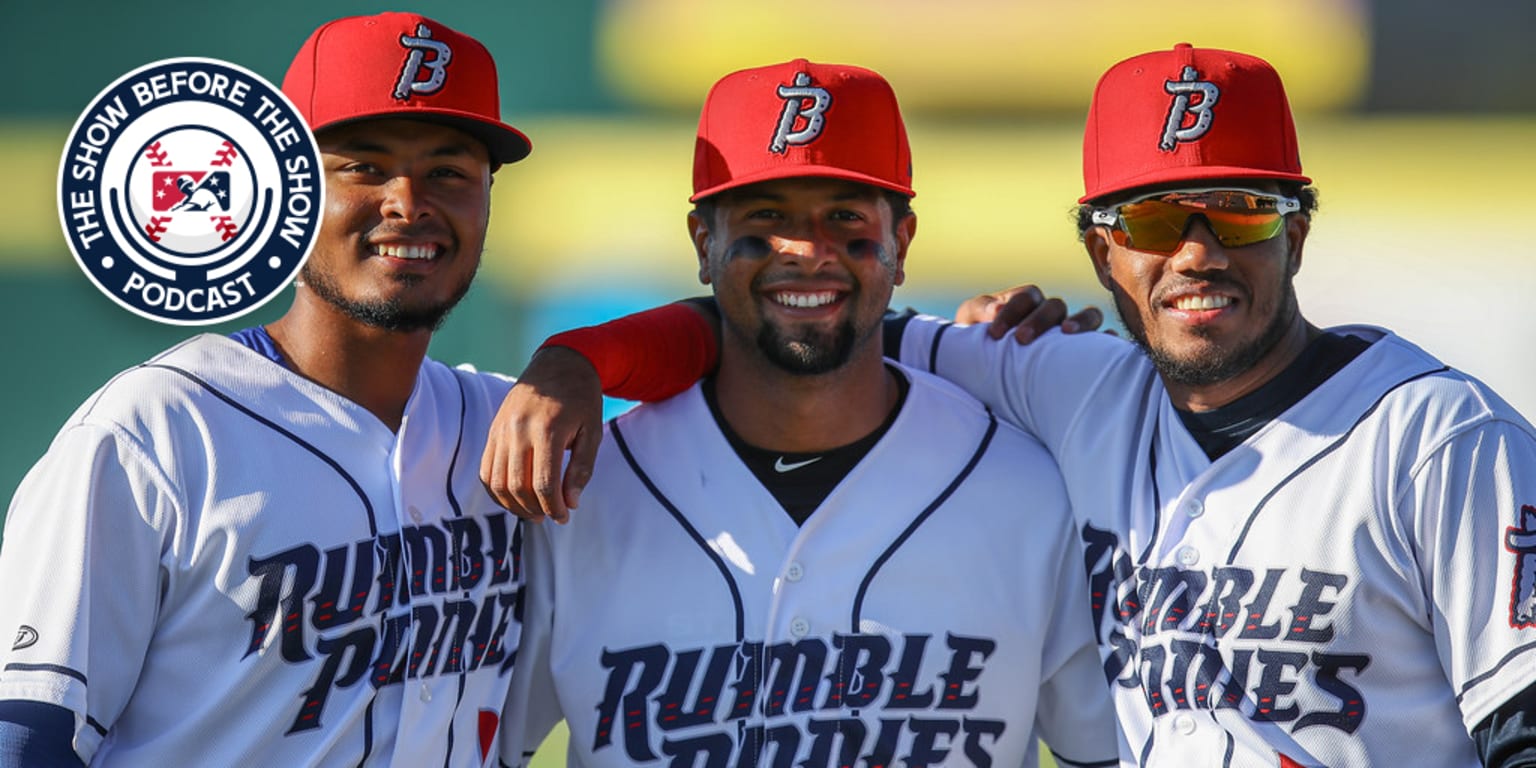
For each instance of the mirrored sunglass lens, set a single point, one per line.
(1154, 225)
(1238, 228)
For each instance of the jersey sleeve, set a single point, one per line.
(532, 708)
(1075, 716)
(1041, 387)
(1474, 505)
(81, 565)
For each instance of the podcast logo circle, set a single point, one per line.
(190, 191)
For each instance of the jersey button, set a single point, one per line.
(1194, 508)
(415, 513)
(799, 627)
(1185, 724)
(426, 692)
(794, 572)
(1187, 555)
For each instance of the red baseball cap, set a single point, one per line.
(1188, 114)
(401, 65)
(801, 119)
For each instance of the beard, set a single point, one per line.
(1214, 365)
(386, 314)
(810, 353)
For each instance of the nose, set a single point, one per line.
(403, 199)
(807, 247)
(1199, 250)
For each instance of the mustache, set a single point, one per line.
(423, 230)
(1197, 282)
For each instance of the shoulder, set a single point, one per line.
(950, 413)
(201, 369)
(1424, 400)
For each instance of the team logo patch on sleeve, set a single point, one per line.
(1522, 541)
(189, 191)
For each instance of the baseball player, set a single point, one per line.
(1305, 546)
(273, 548)
(803, 560)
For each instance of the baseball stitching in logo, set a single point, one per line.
(190, 191)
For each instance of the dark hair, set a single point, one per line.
(901, 206)
(1307, 195)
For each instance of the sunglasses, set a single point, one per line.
(1157, 222)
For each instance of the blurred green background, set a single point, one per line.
(1417, 120)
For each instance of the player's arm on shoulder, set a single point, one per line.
(1024, 312)
(556, 405)
(1009, 376)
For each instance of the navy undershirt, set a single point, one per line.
(1222, 429)
(809, 477)
(259, 341)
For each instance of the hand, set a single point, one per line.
(1025, 310)
(556, 405)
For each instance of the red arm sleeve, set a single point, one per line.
(650, 355)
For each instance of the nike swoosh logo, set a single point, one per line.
(780, 466)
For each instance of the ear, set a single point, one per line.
(1296, 229)
(1096, 240)
(698, 232)
(905, 231)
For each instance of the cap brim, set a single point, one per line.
(1192, 173)
(504, 143)
(801, 171)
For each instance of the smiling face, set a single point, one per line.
(1209, 316)
(802, 269)
(406, 208)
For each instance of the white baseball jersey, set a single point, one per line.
(219, 562)
(930, 612)
(1351, 586)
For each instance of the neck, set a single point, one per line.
(778, 411)
(369, 366)
(1212, 396)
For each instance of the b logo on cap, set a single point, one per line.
(795, 107)
(417, 60)
(1187, 84)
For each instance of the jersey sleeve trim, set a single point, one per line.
(933, 349)
(57, 669)
(1494, 670)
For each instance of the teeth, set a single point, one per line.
(1201, 302)
(403, 251)
(805, 299)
